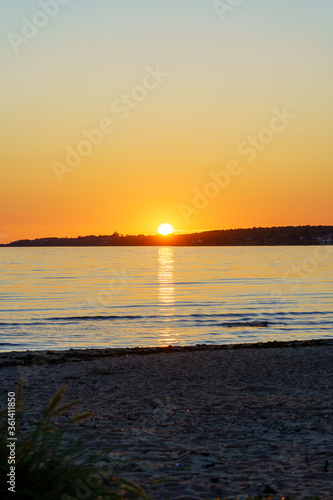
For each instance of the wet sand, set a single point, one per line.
(197, 422)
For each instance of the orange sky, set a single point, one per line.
(180, 93)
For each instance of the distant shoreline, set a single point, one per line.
(256, 236)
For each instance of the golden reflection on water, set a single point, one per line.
(166, 293)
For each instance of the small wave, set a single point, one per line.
(299, 313)
(239, 324)
(26, 323)
(228, 320)
(176, 317)
(95, 318)
(216, 315)
(11, 324)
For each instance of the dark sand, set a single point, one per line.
(197, 422)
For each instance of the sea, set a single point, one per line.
(55, 298)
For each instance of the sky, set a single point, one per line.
(119, 116)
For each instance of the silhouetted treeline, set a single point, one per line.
(290, 235)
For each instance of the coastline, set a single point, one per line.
(271, 236)
(201, 421)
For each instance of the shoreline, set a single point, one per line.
(30, 357)
(270, 236)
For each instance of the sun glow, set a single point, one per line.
(165, 229)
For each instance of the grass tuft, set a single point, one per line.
(45, 467)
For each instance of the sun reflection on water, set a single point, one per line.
(166, 293)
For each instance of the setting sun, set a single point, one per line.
(165, 229)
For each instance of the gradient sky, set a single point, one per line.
(225, 77)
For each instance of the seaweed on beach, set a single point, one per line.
(45, 466)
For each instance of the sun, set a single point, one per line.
(165, 229)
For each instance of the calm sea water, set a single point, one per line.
(60, 298)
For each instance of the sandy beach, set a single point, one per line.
(197, 422)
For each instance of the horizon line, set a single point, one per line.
(185, 232)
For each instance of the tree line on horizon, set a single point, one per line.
(281, 235)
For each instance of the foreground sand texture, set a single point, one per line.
(198, 422)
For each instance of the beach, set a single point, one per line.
(197, 422)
